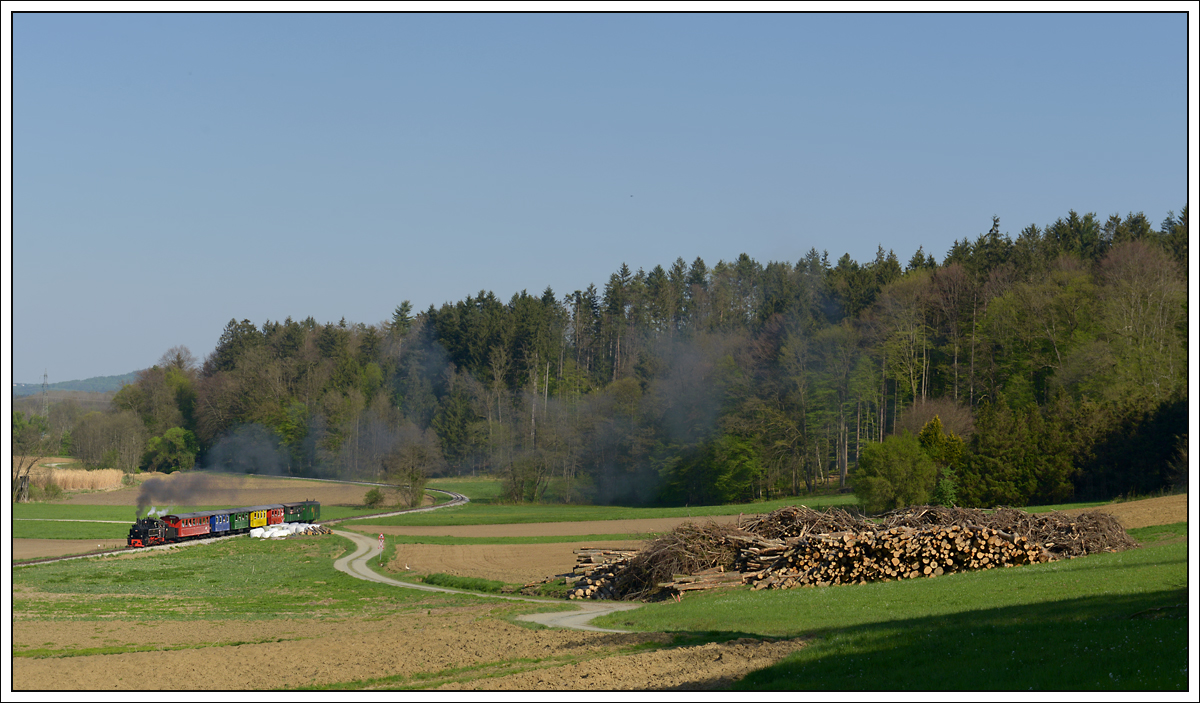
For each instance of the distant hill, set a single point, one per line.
(98, 384)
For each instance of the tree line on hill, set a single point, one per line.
(96, 384)
(1039, 369)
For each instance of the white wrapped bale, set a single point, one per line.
(284, 530)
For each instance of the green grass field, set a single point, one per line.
(233, 579)
(73, 512)
(1104, 622)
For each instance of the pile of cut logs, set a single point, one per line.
(588, 559)
(797, 546)
(311, 531)
(1061, 534)
(897, 553)
(598, 571)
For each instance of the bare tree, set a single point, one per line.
(416, 455)
(956, 418)
(32, 441)
(951, 293)
(179, 357)
(110, 439)
(1145, 305)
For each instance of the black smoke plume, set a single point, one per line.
(181, 489)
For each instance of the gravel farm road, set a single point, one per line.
(356, 564)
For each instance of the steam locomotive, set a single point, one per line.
(149, 531)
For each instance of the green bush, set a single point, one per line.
(875, 494)
(465, 583)
(52, 491)
(373, 498)
(894, 473)
(174, 451)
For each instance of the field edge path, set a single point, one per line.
(367, 548)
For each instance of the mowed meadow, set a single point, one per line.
(1102, 622)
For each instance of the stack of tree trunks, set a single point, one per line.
(1063, 535)
(597, 571)
(887, 555)
(588, 559)
(312, 531)
(756, 553)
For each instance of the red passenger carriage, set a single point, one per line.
(188, 524)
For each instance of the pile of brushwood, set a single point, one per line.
(690, 548)
(798, 546)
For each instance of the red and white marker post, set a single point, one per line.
(381, 549)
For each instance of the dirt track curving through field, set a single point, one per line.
(356, 565)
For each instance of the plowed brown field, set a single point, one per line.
(432, 643)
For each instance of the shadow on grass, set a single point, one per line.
(1126, 642)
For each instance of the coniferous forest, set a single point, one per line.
(1041, 368)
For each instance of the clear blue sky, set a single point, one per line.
(171, 172)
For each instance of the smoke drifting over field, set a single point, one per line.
(183, 489)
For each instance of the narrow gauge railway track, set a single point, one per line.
(455, 499)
